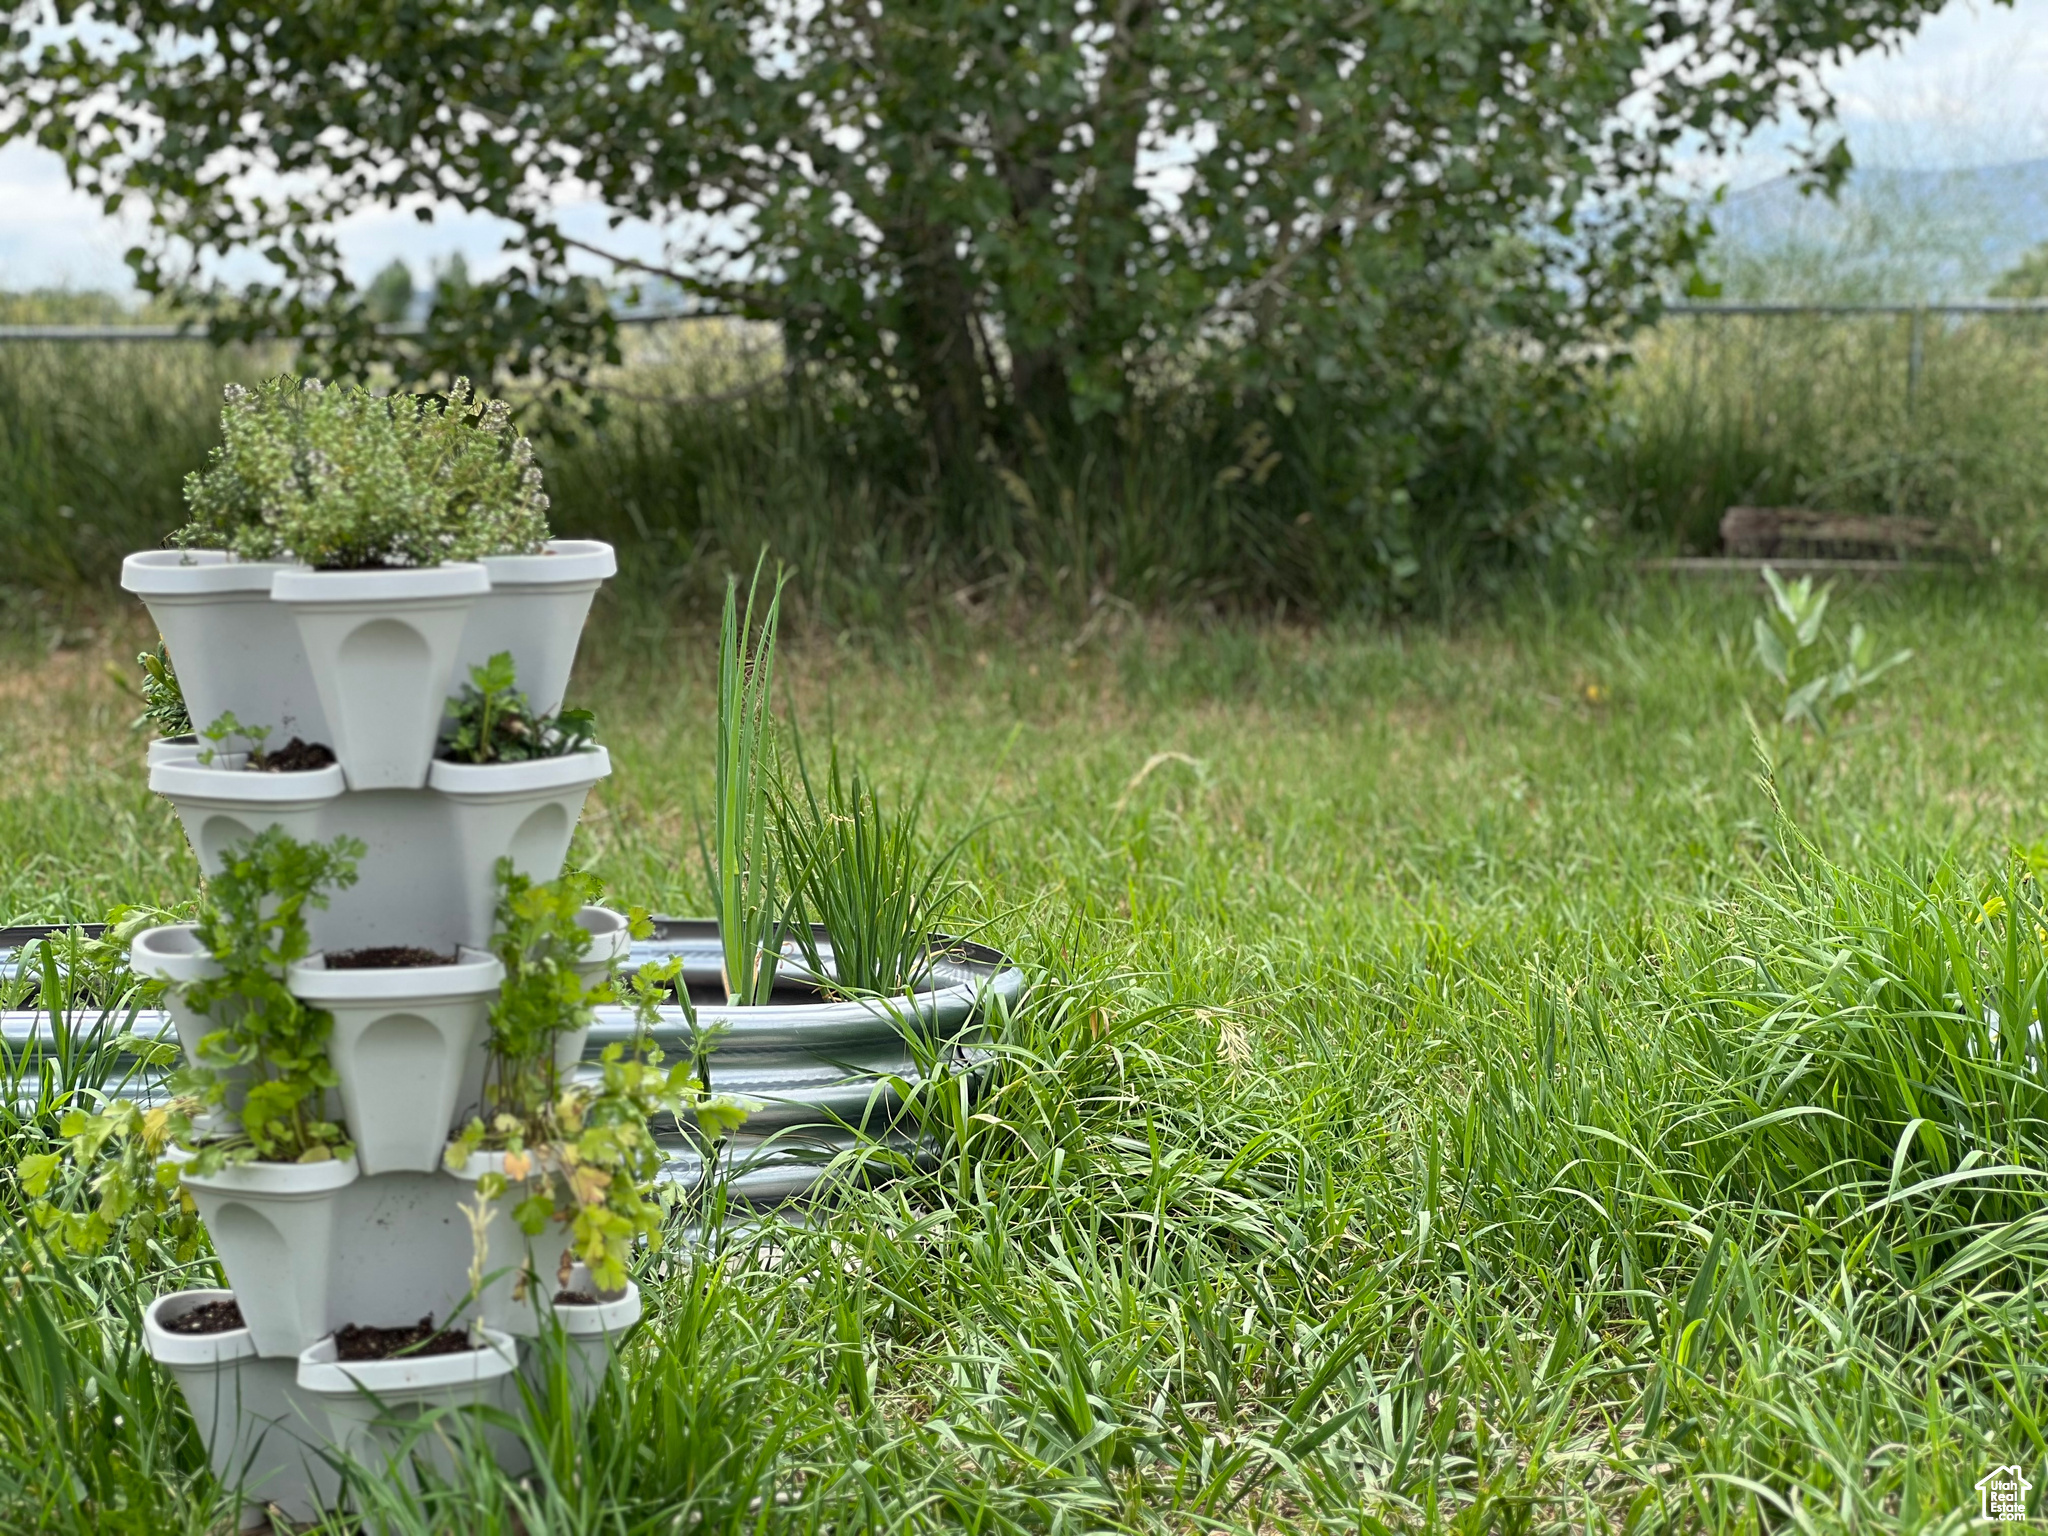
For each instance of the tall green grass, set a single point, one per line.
(1452, 1096)
(1816, 411)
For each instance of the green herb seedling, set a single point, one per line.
(859, 869)
(161, 696)
(253, 922)
(227, 728)
(494, 723)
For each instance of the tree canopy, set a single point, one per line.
(991, 202)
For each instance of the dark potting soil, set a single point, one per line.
(212, 1317)
(353, 1341)
(575, 1299)
(295, 756)
(384, 957)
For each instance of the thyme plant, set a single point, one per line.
(341, 478)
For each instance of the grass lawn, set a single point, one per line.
(1452, 1095)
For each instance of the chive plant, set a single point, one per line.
(858, 868)
(741, 862)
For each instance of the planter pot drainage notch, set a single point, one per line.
(275, 1227)
(382, 647)
(221, 803)
(402, 1042)
(521, 811)
(260, 1436)
(535, 609)
(234, 649)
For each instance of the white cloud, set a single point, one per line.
(1970, 88)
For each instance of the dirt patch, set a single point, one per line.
(385, 957)
(353, 1341)
(295, 756)
(211, 1317)
(575, 1299)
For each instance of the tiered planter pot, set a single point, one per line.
(611, 941)
(263, 1436)
(222, 803)
(174, 956)
(535, 610)
(234, 649)
(402, 1040)
(374, 1407)
(275, 1227)
(364, 661)
(522, 811)
(381, 646)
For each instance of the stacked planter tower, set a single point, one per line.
(364, 662)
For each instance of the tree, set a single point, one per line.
(2026, 278)
(969, 205)
(389, 296)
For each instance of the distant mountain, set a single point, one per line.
(1908, 233)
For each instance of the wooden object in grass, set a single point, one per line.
(1765, 533)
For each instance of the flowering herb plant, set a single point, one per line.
(343, 479)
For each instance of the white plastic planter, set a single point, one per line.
(382, 647)
(232, 647)
(610, 941)
(175, 749)
(372, 1406)
(535, 610)
(174, 955)
(402, 1042)
(274, 1226)
(522, 811)
(221, 803)
(252, 1417)
(592, 1334)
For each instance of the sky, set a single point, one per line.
(1970, 89)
